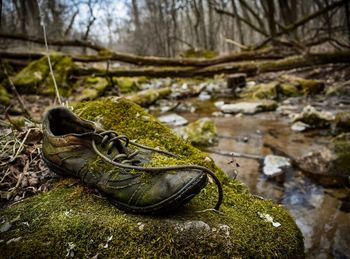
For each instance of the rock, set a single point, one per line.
(200, 133)
(300, 126)
(341, 89)
(173, 119)
(93, 221)
(248, 107)
(289, 90)
(307, 86)
(314, 118)
(36, 79)
(219, 104)
(129, 84)
(236, 80)
(89, 88)
(147, 97)
(342, 121)
(204, 96)
(261, 91)
(275, 166)
(329, 165)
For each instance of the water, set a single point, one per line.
(322, 214)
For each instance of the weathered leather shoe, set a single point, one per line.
(122, 170)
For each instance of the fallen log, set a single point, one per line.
(249, 67)
(62, 43)
(266, 54)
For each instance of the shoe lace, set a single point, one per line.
(125, 159)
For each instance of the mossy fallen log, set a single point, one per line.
(106, 55)
(71, 221)
(147, 97)
(249, 67)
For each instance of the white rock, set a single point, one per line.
(243, 107)
(173, 119)
(273, 165)
(204, 96)
(219, 104)
(300, 126)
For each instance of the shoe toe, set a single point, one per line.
(169, 189)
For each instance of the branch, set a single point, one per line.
(270, 53)
(69, 43)
(221, 11)
(301, 22)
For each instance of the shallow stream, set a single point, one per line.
(322, 214)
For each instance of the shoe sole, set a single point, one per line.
(165, 206)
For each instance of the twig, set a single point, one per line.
(236, 43)
(48, 55)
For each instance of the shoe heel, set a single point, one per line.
(54, 168)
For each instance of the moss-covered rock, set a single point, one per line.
(314, 118)
(36, 79)
(289, 90)
(261, 91)
(129, 84)
(71, 220)
(340, 146)
(199, 133)
(342, 121)
(89, 88)
(341, 89)
(330, 165)
(268, 105)
(307, 86)
(147, 97)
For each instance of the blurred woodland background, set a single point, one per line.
(181, 27)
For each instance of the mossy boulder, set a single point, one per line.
(330, 165)
(261, 91)
(289, 90)
(199, 133)
(342, 121)
(71, 221)
(89, 88)
(36, 79)
(129, 84)
(307, 86)
(315, 119)
(147, 97)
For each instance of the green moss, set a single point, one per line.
(5, 97)
(129, 84)
(307, 86)
(147, 97)
(261, 91)
(35, 78)
(89, 88)
(342, 121)
(268, 105)
(289, 90)
(340, 146)
(71, 215)
(199, 133)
